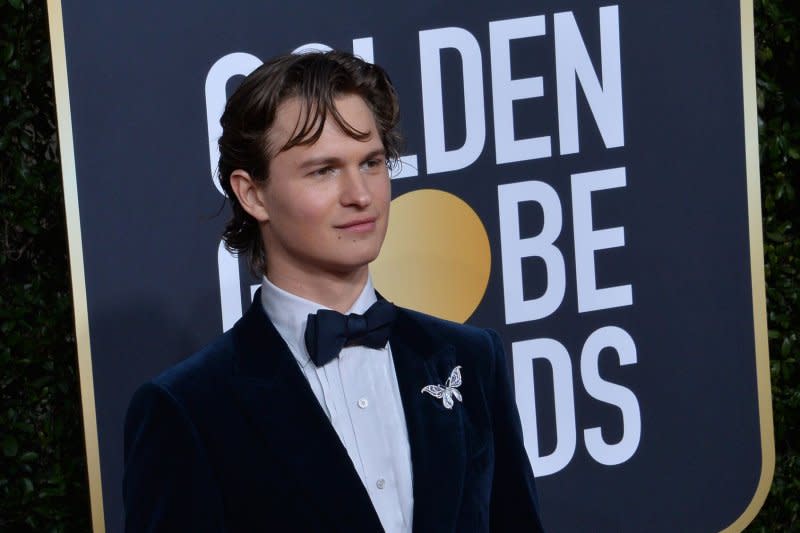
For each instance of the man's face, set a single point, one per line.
(327, 203)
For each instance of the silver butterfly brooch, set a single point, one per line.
(449, 391)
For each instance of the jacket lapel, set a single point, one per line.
(277, 399)
(436, 434)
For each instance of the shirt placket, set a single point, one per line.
(364, 385)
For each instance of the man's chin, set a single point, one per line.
(353, 266)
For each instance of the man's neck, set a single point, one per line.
(333, 290)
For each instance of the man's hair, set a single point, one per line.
(316, 79)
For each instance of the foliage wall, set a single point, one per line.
(778, 78)
(42, 468)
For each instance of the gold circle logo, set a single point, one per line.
(436, 257)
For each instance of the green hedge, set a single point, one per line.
(778, 73)
(42, 468)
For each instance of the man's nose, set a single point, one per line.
(355, 189)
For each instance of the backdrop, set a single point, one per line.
(579, 176)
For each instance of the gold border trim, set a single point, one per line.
(69, 178)
(67, 152)
(756, 270)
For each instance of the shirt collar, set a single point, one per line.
(289, 313)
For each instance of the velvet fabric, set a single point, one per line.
(232, 439)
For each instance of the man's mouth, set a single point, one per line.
(358, 225)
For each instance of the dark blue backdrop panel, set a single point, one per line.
(150, 221)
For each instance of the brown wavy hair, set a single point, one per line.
(317, 79)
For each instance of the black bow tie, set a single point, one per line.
(327, 332)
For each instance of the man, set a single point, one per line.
(325, 408)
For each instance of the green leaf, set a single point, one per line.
(776, 237)
(28, 457)
(10, 446)
(6, 51)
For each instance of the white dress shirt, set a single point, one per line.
(359, 393)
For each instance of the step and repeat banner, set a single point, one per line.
(580, 176)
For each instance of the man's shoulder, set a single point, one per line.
(451, 332)
(446, 328)
(211, 365)
(191, 390)
(479, 351)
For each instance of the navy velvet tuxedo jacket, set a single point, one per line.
(233, 439)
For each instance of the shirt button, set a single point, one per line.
(380, 483)
(363, 403)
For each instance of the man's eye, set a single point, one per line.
(373, 163)
(324, 171)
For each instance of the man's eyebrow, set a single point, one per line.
(375, 153)
(333, 160)
(320, 161)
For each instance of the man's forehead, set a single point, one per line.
(289, 116)
(295, 116)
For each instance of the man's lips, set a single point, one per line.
(358, 225)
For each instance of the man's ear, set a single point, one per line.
(250, 194)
